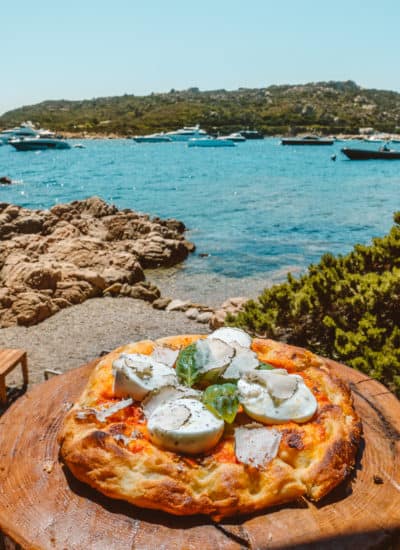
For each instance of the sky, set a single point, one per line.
(81, 49)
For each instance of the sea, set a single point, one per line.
(255, 212)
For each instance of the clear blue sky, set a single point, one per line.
(78, 49)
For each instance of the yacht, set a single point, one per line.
(307, 140)
(152, 138)
(37, 143)
(186, 133)
(236, 136)
(210, 142)
(25, 130)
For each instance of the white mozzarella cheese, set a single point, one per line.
(261, 403)
(137, 375)
(186, 426)
(231, 335)
(256, 445)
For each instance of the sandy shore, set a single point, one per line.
(81, 333)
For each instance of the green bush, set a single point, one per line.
(345, 307)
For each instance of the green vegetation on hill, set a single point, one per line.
(345, 307)
(324, 107)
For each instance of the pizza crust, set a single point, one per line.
(313, 457)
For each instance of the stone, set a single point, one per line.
(204, 317)
(192, 313)
(178, 305)
(114, 289)
(232, 306)
(161, 303)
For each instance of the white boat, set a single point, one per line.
(236, 136)
(152, 138)
(186, 133)
(210, 142)
(25, 130)
(38, 144)
(378, 138)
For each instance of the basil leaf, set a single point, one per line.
(222, 400)
(186, 369)
(265, 366)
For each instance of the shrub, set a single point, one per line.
(345, 307)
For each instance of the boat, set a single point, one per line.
(25, 130)
(186, 133)
(236, 136)
(307, 140)
(251, 134)
(377, 138)
(38, 144)
(368, 154)
(210, 142)
(152, 138)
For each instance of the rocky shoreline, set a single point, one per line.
(53, 259)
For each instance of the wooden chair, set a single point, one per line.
(9, 359)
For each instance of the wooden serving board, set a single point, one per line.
(42, 506)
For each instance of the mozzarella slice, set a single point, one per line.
(137, 375)
(256, 445)
(165, 394)
(186, 426)
(230, 335)
(259, 404)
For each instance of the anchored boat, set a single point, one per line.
(307, 140)
(38, 143)
(368, 154)
(210, 142)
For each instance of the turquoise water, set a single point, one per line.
(255, 211)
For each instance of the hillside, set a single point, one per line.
(324, 107)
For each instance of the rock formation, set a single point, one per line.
(51, 259)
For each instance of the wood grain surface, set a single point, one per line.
(42, 506)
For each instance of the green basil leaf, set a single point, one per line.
(186, 369)
(265, 366)
(222, 400)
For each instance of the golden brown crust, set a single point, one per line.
(313, 457)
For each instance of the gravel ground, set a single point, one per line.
(79, 334)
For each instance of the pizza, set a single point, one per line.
(220, 425)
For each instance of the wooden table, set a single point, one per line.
(42, 506)
(9, 359)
